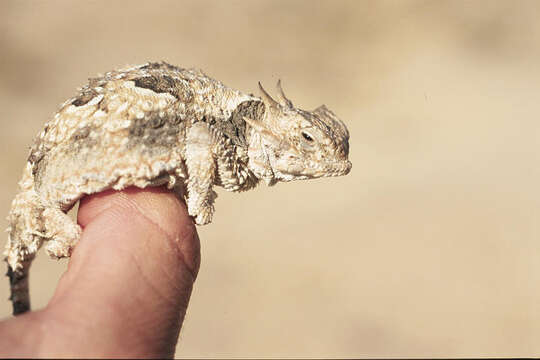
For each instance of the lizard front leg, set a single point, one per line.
(201, 171)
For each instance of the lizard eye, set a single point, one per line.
(307, 136)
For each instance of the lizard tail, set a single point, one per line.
(24, 239)
(20, 295)
(21, 247)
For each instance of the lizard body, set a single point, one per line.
(158, 124)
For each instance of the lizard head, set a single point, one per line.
(288, 143)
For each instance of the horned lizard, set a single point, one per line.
(158, 124)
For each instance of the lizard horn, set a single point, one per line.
(281, 96)
(267, 99)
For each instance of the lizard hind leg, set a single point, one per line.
(62, 233)
(30, 224)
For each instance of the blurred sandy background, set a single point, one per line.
(430, 247)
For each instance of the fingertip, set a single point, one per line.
(159, 205)
(135, 263)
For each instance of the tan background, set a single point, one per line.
(429, 247)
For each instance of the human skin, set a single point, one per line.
(127, 286)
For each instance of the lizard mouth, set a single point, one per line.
(338, 168)
(343, 168)
(315, 170)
